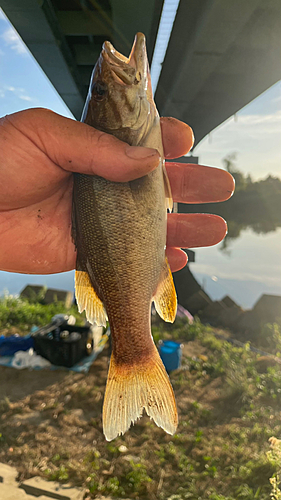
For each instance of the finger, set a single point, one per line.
(177, 137)
(195, 230)
(77, 147)
(192, 183)
(177, 258)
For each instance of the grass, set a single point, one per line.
(229, 407)
(274, 457)
(23, 314)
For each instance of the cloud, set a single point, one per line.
(25, 97)
(13, 40)
(256, 138)
(18, 92)
(264, 123)
(246, 124)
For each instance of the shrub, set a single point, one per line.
(22, 313)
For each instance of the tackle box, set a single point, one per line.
(63, 351)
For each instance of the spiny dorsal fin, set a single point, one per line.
(87, 299)
(168, 191)
(165, 299)
(130, 389)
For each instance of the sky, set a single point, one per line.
(22, 82)
(254, 135)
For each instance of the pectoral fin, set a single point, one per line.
(165, 298)
(88, 300)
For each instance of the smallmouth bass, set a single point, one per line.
(119, 230)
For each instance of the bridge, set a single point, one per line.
(220, 54)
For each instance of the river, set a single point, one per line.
(249, 267)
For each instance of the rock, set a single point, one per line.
(189, 292)
(39, 487)
(212, 312)
(230, 317)
(8, 474)
(228, 301)
(132, 458)
(8, 492)
(268, 308)
(248, 323)
(197, 302)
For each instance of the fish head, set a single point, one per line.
(120, 94)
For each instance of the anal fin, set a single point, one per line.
(165, 298)
(88, 300)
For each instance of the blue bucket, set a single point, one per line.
(170, 353)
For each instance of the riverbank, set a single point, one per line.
(229, 406)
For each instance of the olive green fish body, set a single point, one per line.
(120, 234)
(123, 227)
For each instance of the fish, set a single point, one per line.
(119, 230)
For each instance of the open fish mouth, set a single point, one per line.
(127, 70)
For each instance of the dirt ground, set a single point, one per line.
(52, 418)
(16, 385)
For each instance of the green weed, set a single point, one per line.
(60, 474)
(24, 314)
(274, 458)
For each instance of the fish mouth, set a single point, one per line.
(127, 70)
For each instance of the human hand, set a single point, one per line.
(39, 152)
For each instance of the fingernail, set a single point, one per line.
(138, 152)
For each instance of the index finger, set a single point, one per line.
(177, 137)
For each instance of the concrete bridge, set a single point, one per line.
(220, 55)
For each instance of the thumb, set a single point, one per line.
(77, 147)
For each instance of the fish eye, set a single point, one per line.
(99, 91)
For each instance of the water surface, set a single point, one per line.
(249, 267)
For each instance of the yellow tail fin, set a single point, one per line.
(130, 389)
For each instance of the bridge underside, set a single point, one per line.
(221, 54)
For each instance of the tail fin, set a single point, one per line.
(130, 389)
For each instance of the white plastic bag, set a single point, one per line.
(29, 359)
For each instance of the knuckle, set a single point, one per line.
(103, 140)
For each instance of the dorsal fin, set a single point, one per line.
(168, 191)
